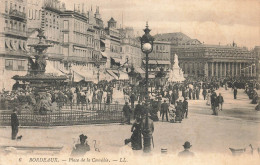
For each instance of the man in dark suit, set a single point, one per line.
(185, 108)
(204, 93)
(132, 99)
(138, 110)
(127, 112)
(235, 93)
(186, 152)
(220, 101)
(14, 124)
(165, 110)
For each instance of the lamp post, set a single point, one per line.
(146, 47)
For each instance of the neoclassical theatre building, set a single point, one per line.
(199, 59)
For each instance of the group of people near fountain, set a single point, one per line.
(110, 92)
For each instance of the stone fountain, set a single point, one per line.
(36, 77)
(176, 73)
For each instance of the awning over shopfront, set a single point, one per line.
(111, 73)
(123, 76)
(105, 76)
(118, 74)
(159, 62)
(86, 74)
(76, 77)
(140, 70)
(104, 54)
(52, 70)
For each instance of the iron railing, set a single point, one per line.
(68, 114)
(65, 118)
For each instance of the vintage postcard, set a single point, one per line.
(129, 82)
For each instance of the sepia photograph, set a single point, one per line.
(129, 82)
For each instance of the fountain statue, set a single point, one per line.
(36, 77)
(176, 73)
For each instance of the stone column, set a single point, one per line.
(212, 69)
(206, 71)
(233, 69)
(195, 68)
(255, 71)
(225, 69)
(229, 71)
(217, 75)
(191, 67)
(220, 69)
(240, 68)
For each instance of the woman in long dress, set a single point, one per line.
(208, 98)
(136, 138)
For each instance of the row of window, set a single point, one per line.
(162, 47)
(52, 33)
(14, 6)
(132, 50)
(86, 40)
(16, 25)
(15, 65)
(34, 14)
(79, 26)
(84, 53)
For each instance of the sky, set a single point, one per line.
(210, 21)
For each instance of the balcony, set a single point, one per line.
(83, 59)
(15, 32)
(15, 14)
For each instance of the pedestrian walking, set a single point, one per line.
(127, 112)
(132, 99)
(138, 110)
(136, 138)
(220, 101)
(14, 123)
(185, 108)
(235, 93)
(204, 93)
(165, 110)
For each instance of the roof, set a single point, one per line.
(111, 20)
(172, 37)
(155, 62)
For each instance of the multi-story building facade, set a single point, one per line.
(199, 59)
(45, 14)
(13, 41)
(81, 42)
(256, 52)
(160, 56)
(131, 49)
(113, 44)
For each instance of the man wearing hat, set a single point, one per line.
(186, 152)
(138, 110)
(127, 111)
(82, 148)
(165, 110)
(185, 108)
(14, 124)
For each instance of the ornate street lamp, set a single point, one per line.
(146, 47)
